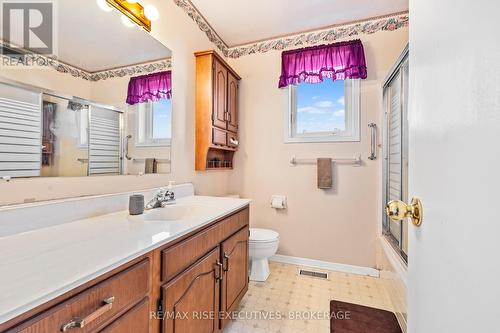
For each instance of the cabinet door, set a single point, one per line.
(220, 95)
(235, 277)
(232, 103)
(191, 301)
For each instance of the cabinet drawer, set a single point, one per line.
(219, 137)
(181, 256)
(135, 320)
(96, 305)
(177, 258)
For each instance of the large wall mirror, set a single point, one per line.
(104, 107)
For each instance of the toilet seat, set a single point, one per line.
(263, 235)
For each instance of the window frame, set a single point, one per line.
(149, 141)
(83, 128)
(352, 97)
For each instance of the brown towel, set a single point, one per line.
(325, 178)
(150, 166)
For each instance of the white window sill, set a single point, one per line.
(145, 145)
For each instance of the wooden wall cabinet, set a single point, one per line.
(180, 287)
(216, 112)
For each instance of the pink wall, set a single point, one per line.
(340, 225)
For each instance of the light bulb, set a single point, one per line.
(151, 12)
(127, 22)
(104, 5)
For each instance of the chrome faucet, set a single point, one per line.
(161, 199)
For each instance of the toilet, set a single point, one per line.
(263, 245)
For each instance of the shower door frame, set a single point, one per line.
(398, 69)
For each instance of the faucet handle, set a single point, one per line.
(161, 193)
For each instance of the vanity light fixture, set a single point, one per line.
(135, 12)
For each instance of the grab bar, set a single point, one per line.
(127, 138)
(373, 155)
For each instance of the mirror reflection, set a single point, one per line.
(102, 107)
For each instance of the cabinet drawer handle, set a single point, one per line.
(234, 142)
(82, 322)
(226, 262)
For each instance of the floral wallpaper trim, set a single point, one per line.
(204, 26)
(387, 23)
(29, 59)
(132, 70)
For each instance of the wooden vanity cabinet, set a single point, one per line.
(217, 87)
(215, 282)
(96, 307)
(188, 282)
(191, 300)
(234, 284)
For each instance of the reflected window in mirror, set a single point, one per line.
(83, 127)
(154, 123)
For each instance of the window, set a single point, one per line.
(154, 123)
(323, 112)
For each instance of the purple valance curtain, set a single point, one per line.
(338, 61)
(151, 87)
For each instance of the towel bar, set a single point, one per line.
(158, 160)
(344, 160)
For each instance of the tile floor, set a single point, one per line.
(287, 293)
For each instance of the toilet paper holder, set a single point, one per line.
(278, 202)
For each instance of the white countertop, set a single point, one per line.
(39, 265)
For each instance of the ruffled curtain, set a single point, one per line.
(338, 61)
(151, 87)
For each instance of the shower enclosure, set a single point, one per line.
(395, 143)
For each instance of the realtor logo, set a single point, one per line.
(28, 25)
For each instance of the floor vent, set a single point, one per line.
(314, 274)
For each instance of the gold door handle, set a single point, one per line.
(398, 210)
(218, 270)
(226, 262)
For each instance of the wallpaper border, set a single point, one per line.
(389, 22)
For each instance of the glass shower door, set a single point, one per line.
(396, 152)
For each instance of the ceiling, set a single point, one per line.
(240, 22)
(94, 40)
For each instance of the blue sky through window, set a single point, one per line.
(320, 107)
(162, 119)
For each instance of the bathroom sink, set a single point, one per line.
(174, 212)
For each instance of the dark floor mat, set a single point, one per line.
(354, 318)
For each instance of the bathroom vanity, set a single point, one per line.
(173, 269)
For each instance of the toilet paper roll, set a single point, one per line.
(278, 203)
